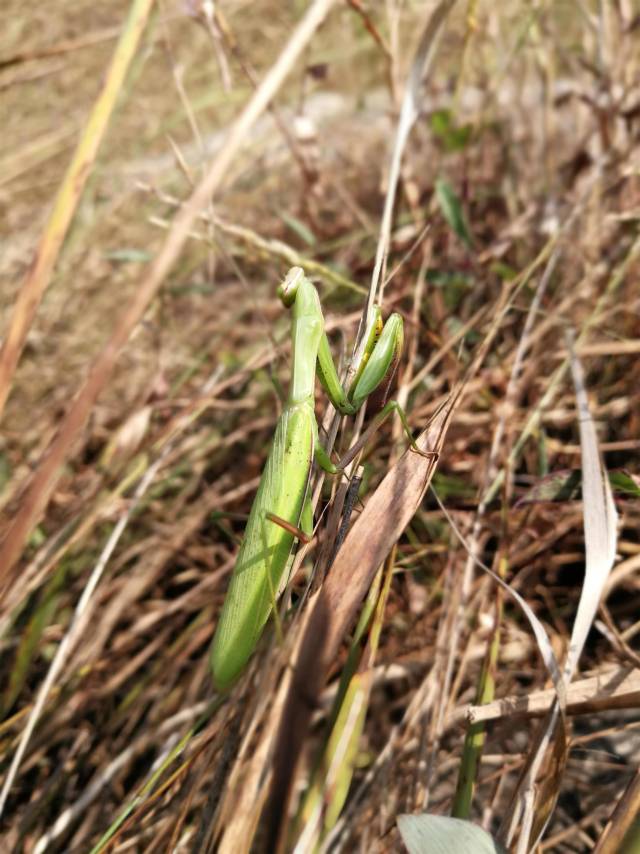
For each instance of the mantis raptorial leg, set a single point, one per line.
(283, 489)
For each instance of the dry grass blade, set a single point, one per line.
(613, 689)
(65, 46)
(69, 196)
(43, 481)
(600, 522)
(264, 248)
(620, 835)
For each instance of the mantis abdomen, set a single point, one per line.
(253, 587)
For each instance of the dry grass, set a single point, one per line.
(532, 117)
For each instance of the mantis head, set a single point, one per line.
(288, 289)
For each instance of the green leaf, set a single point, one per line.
(438, 834)
(625, 483)
(454, 137)
(543, 453)
(451, 208)
(299, 228)
(31, 636)
(504, 271)
(37, 538)
(450, 486)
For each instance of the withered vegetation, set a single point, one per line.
(516, 219)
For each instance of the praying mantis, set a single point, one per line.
(282, 503)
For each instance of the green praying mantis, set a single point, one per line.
(282, 504)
